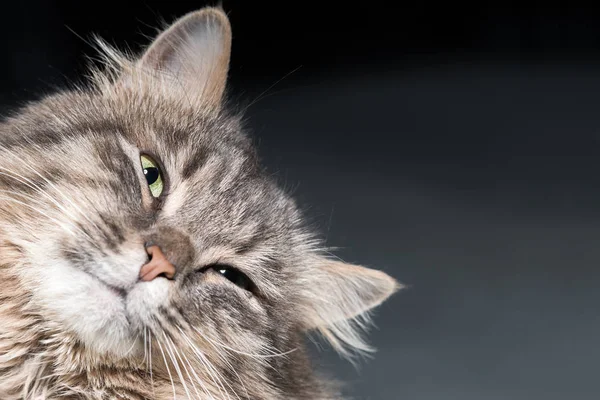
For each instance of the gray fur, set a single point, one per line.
(76, 215)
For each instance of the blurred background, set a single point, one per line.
(454, 146)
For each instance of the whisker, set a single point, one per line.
(62, 194)
(209, 367)
(167, 366)
(175, 364)
(59, 223)
(29, 183)
(145, 361)
(198, 379)
(135, 339)
(37, 201)
(150, 358)
(272, 355)
(264, 92)
(223, 359)
(186, 370)
(38, 189)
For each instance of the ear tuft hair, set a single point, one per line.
(339, 299)
(189, 60)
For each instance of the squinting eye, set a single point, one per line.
(153, 175)
(235, 276)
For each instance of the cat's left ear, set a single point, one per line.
(194, 53)
(338, 291)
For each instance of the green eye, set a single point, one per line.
(153, 175)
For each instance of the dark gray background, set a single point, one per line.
(453, 146)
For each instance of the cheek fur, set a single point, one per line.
(117, 266)
(210, 300)
(227, 326)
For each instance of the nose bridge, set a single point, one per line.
(174, 244)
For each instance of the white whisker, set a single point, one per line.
(26, 181)
(68, 199)
(168, 369)
(35, 171)
(176, 365)
(37, 201)
(186, 370)
(132, 344)
(224, 359)
(273, 354)
(150, 358)
(145, 347)
(59, 223)
(209, 367)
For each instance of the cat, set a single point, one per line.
(146, 254)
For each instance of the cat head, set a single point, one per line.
(149, 166)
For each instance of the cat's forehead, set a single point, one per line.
(180, 137)
(217, 188)
(151, 120)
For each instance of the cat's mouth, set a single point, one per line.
(117, 291)
(122, 293)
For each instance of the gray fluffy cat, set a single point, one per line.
(144, 253)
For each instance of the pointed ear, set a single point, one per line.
(339, 292)
(194, 52)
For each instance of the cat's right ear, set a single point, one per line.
(338, 296)
(193, 54)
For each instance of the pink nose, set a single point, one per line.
(158, 265)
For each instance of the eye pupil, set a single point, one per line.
(151, 174)
(235, 277)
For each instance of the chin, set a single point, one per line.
(124, 318)
(108, 320)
